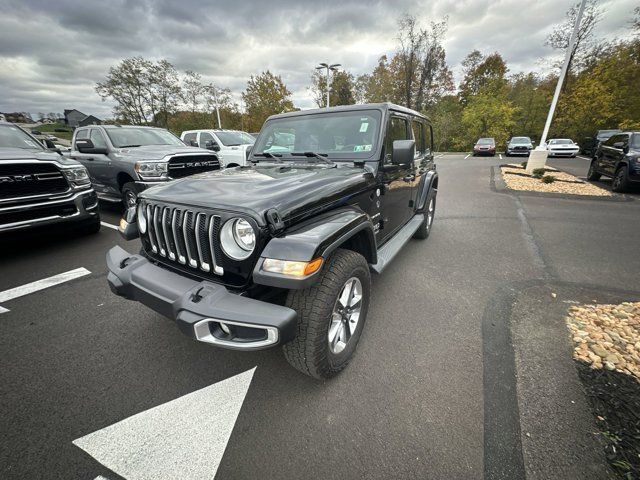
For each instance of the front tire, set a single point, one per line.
(129, 195)
(593, 175)
(331, 316)
(620, 180)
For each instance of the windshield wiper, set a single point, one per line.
(129, 146)
(319, 156)
(275, 156)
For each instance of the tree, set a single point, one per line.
(378, 85)
(193, 91)
(531, 96)
(165, 89)
(266, 95)
(560, 36)
(487, 115)
(482, 74)
(342, 91)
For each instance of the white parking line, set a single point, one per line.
(467, 156)
(108, 225)
(184, 438)
(40, 285)
(583, 158)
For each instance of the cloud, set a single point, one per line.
(53, 53)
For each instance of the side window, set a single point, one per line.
(611, 140)
(204, 138)
(81, 135)
(429, 138)
(419, 137)
(398, 129)
(97, 138)
(190, 139)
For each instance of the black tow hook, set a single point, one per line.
(124, 262)
(196, 297)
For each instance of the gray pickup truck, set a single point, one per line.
(124, 160)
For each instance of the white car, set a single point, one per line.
(562, 147)
(230, 145)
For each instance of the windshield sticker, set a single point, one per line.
(364, 126)
(362, 148)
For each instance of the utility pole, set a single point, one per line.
(329, 68)
(538, 156)
(215, 99)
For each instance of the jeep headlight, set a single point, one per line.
(237, 238)
(78, 176)
(151, 169)
(142, 219)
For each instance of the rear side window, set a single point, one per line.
(81, 135)
(398, 130)
(419, 135)
(190, 139)
(97, 138)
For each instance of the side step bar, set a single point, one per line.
(105, 197)
(389, 250)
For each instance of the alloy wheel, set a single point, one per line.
(345, 316)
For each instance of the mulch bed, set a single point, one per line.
(615, 401)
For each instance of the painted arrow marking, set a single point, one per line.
(40, 285)
(184, 438)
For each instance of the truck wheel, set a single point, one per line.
(331, 316)
(592, 174)
(620, 180)
(129, 194)
(425, 227)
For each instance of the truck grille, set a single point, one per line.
(186, 236)
(28, 179)
(183, 166)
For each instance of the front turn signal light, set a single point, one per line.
(291, 268)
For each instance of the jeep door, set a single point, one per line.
(397, 180)
(423, 135)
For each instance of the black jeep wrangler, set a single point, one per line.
(280, 252)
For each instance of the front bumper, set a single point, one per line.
(78, 207)
(203, 310)
(518, 152)
(563, 153)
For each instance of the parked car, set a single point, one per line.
(40, 187)
(280, 253)
(589, 145)
(562, 147)
(619, 158)
(124, 160)
(519, 146)
(485, 146)
(230, 145)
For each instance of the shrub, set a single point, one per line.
(538, 172)
(524, 164)
(548, 179)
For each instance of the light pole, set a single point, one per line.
(215, 99)
(538, 156)
(330, 68)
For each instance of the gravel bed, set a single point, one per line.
(607, 350)
(516, 178)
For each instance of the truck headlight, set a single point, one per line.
(151, 169)
(142, 219)
(237, 238)
(78, 176)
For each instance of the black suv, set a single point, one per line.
(124, 160)
(280, 252)
(39, 187)
(618, 158)
(589, 145)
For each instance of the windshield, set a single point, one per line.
(233, 139)
(520, 140)
(137, 137)
(13, 137)
(486, 141)
(635, 141)
(606, 134)
(338, 134)
(561, 141)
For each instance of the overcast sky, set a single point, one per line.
(53, 53)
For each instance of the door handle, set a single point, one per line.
(91, 159)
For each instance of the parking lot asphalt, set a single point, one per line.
(414, 403)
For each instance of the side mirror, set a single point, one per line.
(36, 132)
(247, 152)
(86, 146)
(212, 145)
(128, 227)
(403, 152)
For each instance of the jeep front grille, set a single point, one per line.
(24, 179)
(185, 165)
(185, 236)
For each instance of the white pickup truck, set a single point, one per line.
(230, 145)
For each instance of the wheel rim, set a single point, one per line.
(345, 315)
(430, 211)
(130, 198)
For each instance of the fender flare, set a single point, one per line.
(317, 237)
(428, 182)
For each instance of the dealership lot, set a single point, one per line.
(415, 402)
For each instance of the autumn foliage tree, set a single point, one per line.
(266, 95)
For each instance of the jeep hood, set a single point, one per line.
(158, 152)
(291, 189)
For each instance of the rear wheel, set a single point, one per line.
(620, 180)
(331, 316)
(129, 194)
(429, 214)
(593, 174)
